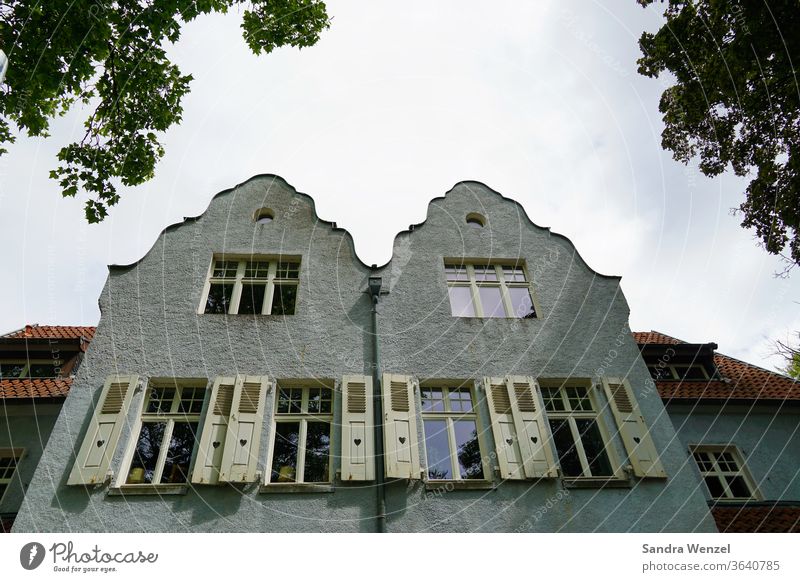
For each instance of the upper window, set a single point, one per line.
(30, 368)
(451, 433)
(252, 286)
(169, 422)
(723, 471)
(8, 466)
(578, 434)
(665, 371)
(301, 441)
(476, 220)
(264, 216)
(489, 290)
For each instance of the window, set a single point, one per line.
(489, 290)
(8, 466)
(475, 220)
(724, 472)
(264, 216)
(578, 433)
(252, 286)
(30, 368)
(301, 439)
(167, 433)
(663, 371)
(451, 433)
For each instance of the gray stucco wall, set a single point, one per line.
(150, 327)
(24, 426)
(767, 435)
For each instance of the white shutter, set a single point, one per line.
(401, 446)
(240, 456)
(533, 430)
(215, 428)
(358, 442)
(100, 442)
(632, 428)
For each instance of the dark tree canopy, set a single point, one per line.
(111, 54)
(736, 101)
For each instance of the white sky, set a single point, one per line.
(396, 103)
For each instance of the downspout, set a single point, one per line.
(377, 406)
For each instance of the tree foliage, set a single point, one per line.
(736, 102)
(112, 55)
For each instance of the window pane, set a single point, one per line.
(460, 399)
(703, 461)
(161, 400)
(225, 269)
(42, 371)
(521, 302)
(179, 455)
(468, 449)
(456, 273)
(256, 269)
(192, 400)
(552, 399)
(252, 300)
(578, 397)
(690, 372)
(318, 445)
(284, 299)
(438, 448)
(11, 370)
(7, 466)
(288, 271)
(432, 399)
(219, 297)
(726, 462)
(715, 486)
(492, 302)
(660, 372)
(565, 446)
(461, 302)
(738, 486)
(289, 400)
(593, 447)
(485, 273)
(513, 274)
(319, 400)
(145, 458)
(284, 456)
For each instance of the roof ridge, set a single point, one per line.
(749, 365)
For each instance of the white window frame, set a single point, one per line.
(303, 418)
(450, 417)
(474, 285)
(170, 418)
(547, 384)
(673, 370)
(58, 363)
(240, 280)
(7, 480)
(717, 471)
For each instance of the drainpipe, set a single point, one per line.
(375, 283)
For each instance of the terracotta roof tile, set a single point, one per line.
(34, 387)
(654, 337)
(52, 332)
(761, 519)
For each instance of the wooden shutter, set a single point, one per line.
(632, 428)
(358, 442)
(215, 428)
(100, 441)
(240, 456)
(520, 429)
(401, 445)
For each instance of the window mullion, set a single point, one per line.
(576, 435)
(162, 455)
(270, 287)
(451, 439)
(720, 474)
(476, 298)
(237, 287)
(301, 451)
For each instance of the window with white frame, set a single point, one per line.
(670, 371)
(31, 368)
(254, 285)
(578, 432)
(489, 290)
(167, 433)
(724, 472)
(8, 467)
(301, 438)
(451, 433)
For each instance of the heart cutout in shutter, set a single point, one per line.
(100, 443)
(509, 441)
(215, 444)
(243, 442)
(636, 440)
(535, 439)
(357, 441)
(402, 440)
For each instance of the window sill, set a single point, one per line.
(296, 488)
(456, 485)
(595, 482)
(160, 489)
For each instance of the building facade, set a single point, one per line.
(37, 367)
(238, 368)
(740, 423)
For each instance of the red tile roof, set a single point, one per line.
(34, 387)
(740, 379)
(761, 519)
(52, 332)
